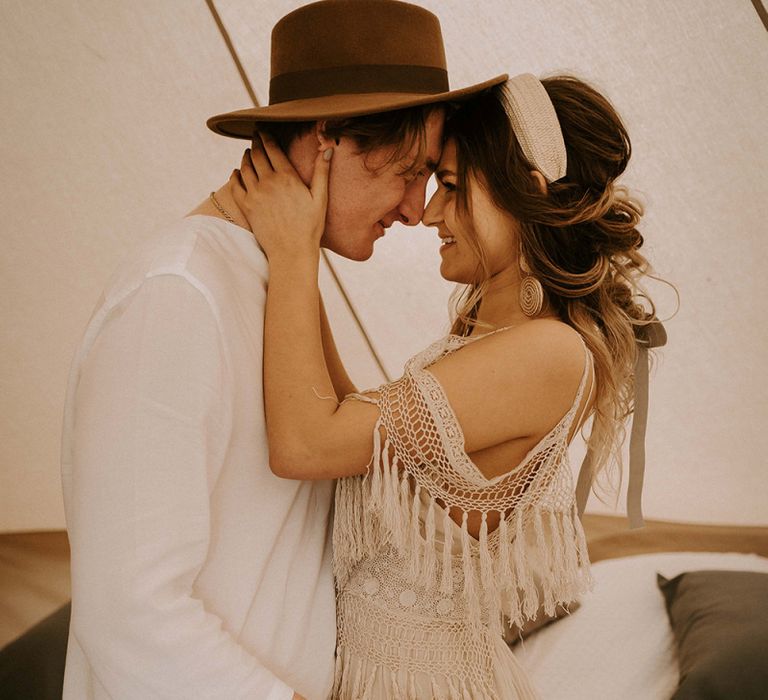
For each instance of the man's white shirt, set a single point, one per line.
(196, 573)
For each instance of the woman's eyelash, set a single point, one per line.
(448, 185)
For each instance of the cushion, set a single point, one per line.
(720, 623)
(32, 666)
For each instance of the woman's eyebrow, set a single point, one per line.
(445, 172)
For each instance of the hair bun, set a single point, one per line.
(593, 131)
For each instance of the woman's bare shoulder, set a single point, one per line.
(547, 345)
(515, 383)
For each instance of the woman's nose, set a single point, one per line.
(432, 214)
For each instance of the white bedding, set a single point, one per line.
(619, 644)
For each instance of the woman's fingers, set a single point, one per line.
(319, 184)
(247, 172)
(237, 188)
(276, 154)
(236, 181)
(261, 163)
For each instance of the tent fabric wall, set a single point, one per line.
(103, 142)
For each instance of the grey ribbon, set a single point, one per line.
(650, 336)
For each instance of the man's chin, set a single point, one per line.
(358, 254)
(361, 256)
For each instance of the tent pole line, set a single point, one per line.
(761, 12)
(254, 99)
(355, 315)
(232, 52)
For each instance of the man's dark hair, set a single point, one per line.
(399, 129)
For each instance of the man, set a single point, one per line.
(196, 573)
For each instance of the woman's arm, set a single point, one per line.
(288, 220)
(341, 381)
(514, 384)
(510, 385)
(296, 375)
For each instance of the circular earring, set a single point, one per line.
(531, 292)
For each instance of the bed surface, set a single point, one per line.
(34, 567)
(619, 643)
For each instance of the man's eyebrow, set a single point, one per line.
(428, 163)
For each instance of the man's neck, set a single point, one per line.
(227, 202)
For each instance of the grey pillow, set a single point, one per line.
(720, 623)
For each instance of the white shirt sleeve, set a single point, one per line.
(150, 428)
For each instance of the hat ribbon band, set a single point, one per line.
(358, 79)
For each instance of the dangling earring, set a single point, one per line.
(531, 291)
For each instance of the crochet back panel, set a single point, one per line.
(416, 592)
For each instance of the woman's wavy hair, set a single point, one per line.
(580, 238)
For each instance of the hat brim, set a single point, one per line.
(239, 124)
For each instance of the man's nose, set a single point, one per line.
(411, 207)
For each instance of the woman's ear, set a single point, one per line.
(540, 181)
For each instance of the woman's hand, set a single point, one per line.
(286, 216)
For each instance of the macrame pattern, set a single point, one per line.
(420, 602)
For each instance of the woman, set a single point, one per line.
(465, 512)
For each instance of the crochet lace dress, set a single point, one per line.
(419, 600)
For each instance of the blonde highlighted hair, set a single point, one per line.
(580, 238)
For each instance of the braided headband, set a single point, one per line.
(536, 126)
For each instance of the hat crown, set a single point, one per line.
(336, 59)
(356, 46)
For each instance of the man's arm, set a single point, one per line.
(150, 426)
(342, 384)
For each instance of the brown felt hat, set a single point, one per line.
(345, 58)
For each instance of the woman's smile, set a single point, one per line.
(448, 242)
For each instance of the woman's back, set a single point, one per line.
(503, 457)
(551, 401)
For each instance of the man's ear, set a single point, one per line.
(540, 181)
(323, 140)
